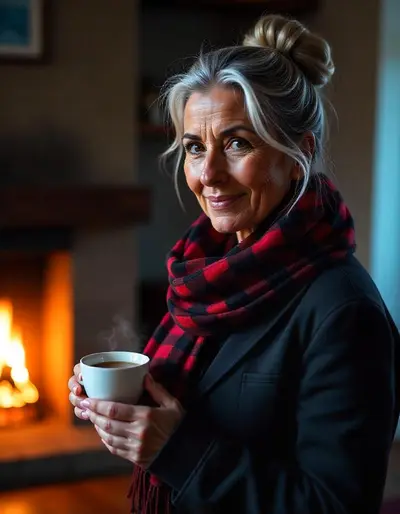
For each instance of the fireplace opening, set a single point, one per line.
(18, 395)
(52, 312)
(35, 338)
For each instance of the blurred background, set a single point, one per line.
(87, 216)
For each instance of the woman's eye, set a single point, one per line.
(239, 144)
(193, 148)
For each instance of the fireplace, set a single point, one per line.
(66, 272)
(18, 394)
(36, 327)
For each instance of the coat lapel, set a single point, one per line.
(240, 344)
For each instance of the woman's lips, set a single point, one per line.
(223, 202)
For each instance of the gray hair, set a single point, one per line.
(279, 69)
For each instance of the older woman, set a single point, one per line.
(274, 386)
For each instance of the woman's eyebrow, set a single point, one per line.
(229, 131)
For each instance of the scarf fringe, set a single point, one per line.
(147, 495)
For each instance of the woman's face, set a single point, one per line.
(237, 178)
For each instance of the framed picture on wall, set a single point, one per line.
(21, 30)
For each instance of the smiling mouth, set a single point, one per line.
(220, 203)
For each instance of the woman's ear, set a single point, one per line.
(308, 144)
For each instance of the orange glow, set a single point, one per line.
(16, 390)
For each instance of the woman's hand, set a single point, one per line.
(77, 393)
(134, 432)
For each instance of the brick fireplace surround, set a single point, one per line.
(67, 262)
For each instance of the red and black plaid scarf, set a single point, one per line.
(216, 285)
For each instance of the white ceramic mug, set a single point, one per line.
(120, 384)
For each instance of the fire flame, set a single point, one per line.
(16, 390)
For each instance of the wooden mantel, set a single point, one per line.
(73, 207)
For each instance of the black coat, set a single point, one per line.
(295, 415)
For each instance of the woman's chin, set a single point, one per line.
(226, 225)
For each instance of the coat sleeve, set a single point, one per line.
(345, 420)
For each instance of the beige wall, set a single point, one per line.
(87, 89)
(352, 28)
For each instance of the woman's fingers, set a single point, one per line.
(79, 413)
(124, 454)
(77, 400)
(74, 386)
(73, 383)
(77, 371)
(76, 395)
(116, 441)
(115, 410)
(110, 426)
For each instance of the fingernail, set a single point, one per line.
(85, 404)
(150, 377)
(85, 414)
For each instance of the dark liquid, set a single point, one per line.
(115, 364)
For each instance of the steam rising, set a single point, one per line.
(121, 336)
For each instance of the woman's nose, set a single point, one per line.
(214, 170)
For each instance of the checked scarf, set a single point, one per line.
(217, 285)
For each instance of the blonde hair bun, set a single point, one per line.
(310, 52)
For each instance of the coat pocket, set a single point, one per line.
(257, 402)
